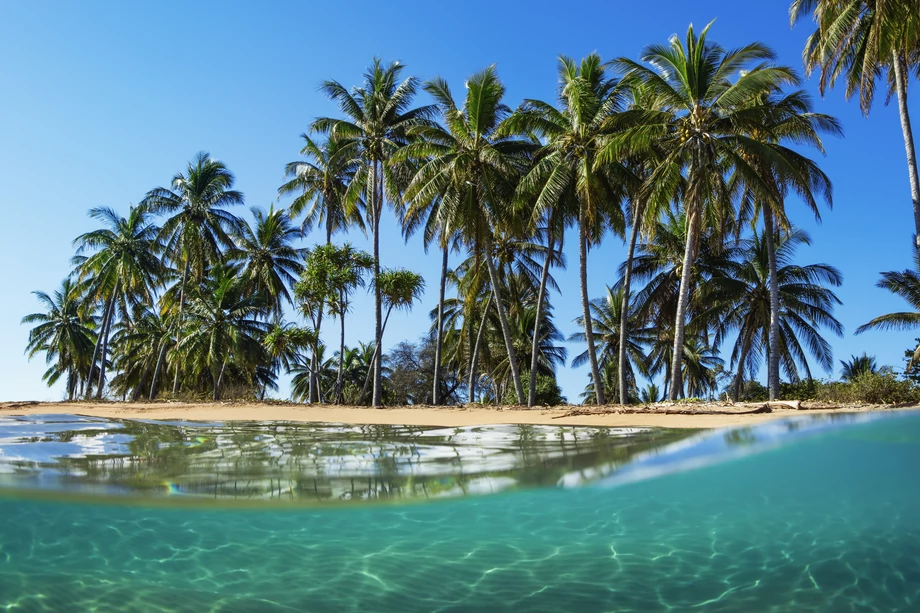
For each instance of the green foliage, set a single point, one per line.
(881, 387)
(548, 391)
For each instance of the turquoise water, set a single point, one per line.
(799, 516)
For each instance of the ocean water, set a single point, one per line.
(803, 515)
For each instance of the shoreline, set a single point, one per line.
(702, 416)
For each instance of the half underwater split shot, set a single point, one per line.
(815, 513)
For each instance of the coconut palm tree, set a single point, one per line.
(122, 270)
(859, 41)
(224, 326)
(565, 177)
(64, 333)
(139, 344)
(905, 284)
(377, 117)
(320, 182)
(474, 170)
(197, 227)
(351, 266)
(856, 366)
(272, 263)
(701, 132)
(742, 305)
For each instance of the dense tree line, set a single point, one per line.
(689, 155)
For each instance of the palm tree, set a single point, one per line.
(64, 332)
(856, 366)
(139, 344)
(350, 268)
(271, 261)
(284, 343)
(905, 284)
(701, 131)
(321, 182)
(378, 116)
(859, 40)
(740, 301)
(197, 227)
(606, 325)
(224, 326)
(474, 170)
(123, 270)
(566, 174)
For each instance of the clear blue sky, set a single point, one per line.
(100, 102)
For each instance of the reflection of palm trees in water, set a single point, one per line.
(292, 461)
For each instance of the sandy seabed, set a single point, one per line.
(695, 415)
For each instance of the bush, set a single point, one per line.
(882, 387)
(548, 391)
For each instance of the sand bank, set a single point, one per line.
(703, 416)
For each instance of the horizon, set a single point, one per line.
(101, 108)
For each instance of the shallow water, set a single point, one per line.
(796, 516)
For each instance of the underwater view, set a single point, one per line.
(813, 514)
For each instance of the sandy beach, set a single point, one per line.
(664, 416)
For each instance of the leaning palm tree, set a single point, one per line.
(701, 132)
(320, 183)
(64, 333)
(197, 226)
(566, 178)
(859, 41)
(474, 170)
(271, 260)
(377, 117)
(741, 303)
(122, 270)
(905, 284)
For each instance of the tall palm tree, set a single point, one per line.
(377, 117)
(742, 304)
(197, 226)
(859, 41)
(702, 131)
(122, 270)
(64, 333)
(271, 260)
(474, 170)
(320, 182)
(905, 284)
(139, 343)
(566, 177)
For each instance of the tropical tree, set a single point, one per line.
(350, 268)
(139, 344)
(271, 260)
(701, 133)
(905, 284)
(474, 170)
(860, 41)
(197, 227)
(739, 295)
(566, 178)
(856, 366)
(321, 182)
(377, 118)
(122, 270)
(64, 333)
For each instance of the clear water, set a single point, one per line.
(795, 516)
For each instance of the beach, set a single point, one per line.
(691, 415)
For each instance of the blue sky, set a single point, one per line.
(99, 102)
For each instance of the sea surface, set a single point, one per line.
(809, 514)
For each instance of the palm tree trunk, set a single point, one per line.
(175, 387)
(683, 302)
(900, 77)
(105, 316)
(773, 357)
(541, 299)
(218, 379)
(506, 329)
(624, 309)
(586, 308)
(376, 398)
(739, 376)
(156, 371)
(436, 392)
(373, 368)
(107, 325)
(341, 376)
(474, 358)
(314, 359)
